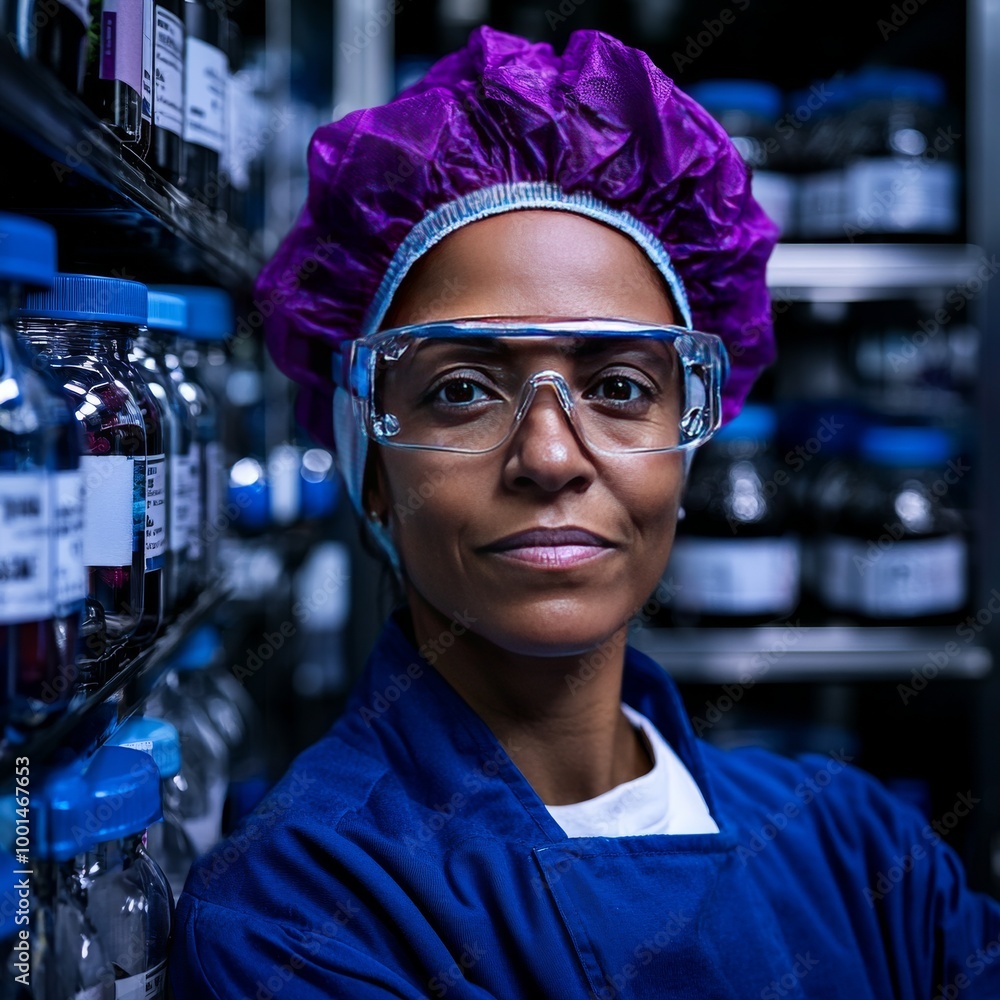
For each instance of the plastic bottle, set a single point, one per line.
(204, 99)
(168, 842)
(734, 559)
(42, 585)
(79, 330)
(52, 33)
(901, 172)
(119, 80)
(749, 111)
(204, 772)
(166, 150)
(896, 548)
(104, 909)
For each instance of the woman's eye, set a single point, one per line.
(459, 390)
(618, 389)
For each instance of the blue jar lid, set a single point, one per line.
(165, 312)
(198, 650)
(27, 250)
(898, 83)
(113, 794)
(250, 492)
(905, 446)
(755, 422)
(156, 737)
(91, 298)
(210, 311)
(755, 97)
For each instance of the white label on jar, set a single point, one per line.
(156, 506)
(887, 195)
(891, 578)
(80, 8)
(776, 194)
(168, 72)
(147, 60)
(204, 94)
(239, 109)
(736, 576)
(71, 574)
(25, 547)
(821, 204)
(146, 746)
(183, 501)
(108, 509)
(150, 985)
(121, 42)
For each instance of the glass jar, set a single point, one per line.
(896, 543)
(104, 909)
(734, 560)
(42, 585)
(167, 142)
(80, 332)
(901, 170)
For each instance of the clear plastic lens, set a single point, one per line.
(621, 392)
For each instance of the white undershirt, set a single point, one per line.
(664, 800)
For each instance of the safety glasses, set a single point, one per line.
(466, 385)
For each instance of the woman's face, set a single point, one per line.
(455, 517)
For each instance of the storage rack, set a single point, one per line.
(113, 215)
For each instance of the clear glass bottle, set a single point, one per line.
(80, 331)
(749, 111)
(204, 774)
(168, 841)
(734, 559)
(205, 72)
(168, 316)
(52, 33)
(896, 546)
(196, 353)
(103, 907)
(42, 586)
(118, 84)
(166, 147)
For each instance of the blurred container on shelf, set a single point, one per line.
(52, 34)
(103, 908)
(166, 149)
(734, 560)
(750, 112)
(895, 543)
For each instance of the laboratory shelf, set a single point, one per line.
(63, 165)
(846, 272)
(102, 706)
(774, 653)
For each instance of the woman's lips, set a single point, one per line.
(552, 548)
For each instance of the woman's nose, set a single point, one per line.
(545, 450)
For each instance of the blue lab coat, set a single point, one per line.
(405, 856)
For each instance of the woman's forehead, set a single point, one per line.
(538, 262)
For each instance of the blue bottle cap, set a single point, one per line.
(925, 447)
(250, 492)
(898, 83)
(210, 311)
(165, 312)
(755, 422)
(91, 298)
(113, 794)
(755, 97)
(156, 737)
(27, 250)
(199, 650)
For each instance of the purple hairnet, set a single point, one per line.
(598, 119)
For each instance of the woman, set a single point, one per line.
(493, 301)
